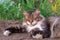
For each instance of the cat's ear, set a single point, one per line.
(25, 12)
(37, 11)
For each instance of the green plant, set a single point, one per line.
(12, 9)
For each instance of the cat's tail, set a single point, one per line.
(11, 30)
(52, 26)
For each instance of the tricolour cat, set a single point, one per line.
(34, 23)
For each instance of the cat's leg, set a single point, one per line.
(40, 34)
(36, 34)
(11, 30)
(6, 32)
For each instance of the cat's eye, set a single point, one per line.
(28, 22)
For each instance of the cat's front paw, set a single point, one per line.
(6, 33)
(37, 36)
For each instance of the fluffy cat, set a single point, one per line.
(33, 23)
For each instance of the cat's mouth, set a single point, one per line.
(32, 24)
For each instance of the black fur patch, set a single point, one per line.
(14, 30)
(34, 32)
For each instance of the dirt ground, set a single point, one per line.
(17, 36)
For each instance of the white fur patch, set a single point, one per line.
(38, 25)
(34, 22)
(37, 36)
(6, 33)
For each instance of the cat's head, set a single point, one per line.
(32, 17)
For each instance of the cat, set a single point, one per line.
(33, 23)
(54, 22)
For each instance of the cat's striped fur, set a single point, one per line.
(34, 23)
(13, 27)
